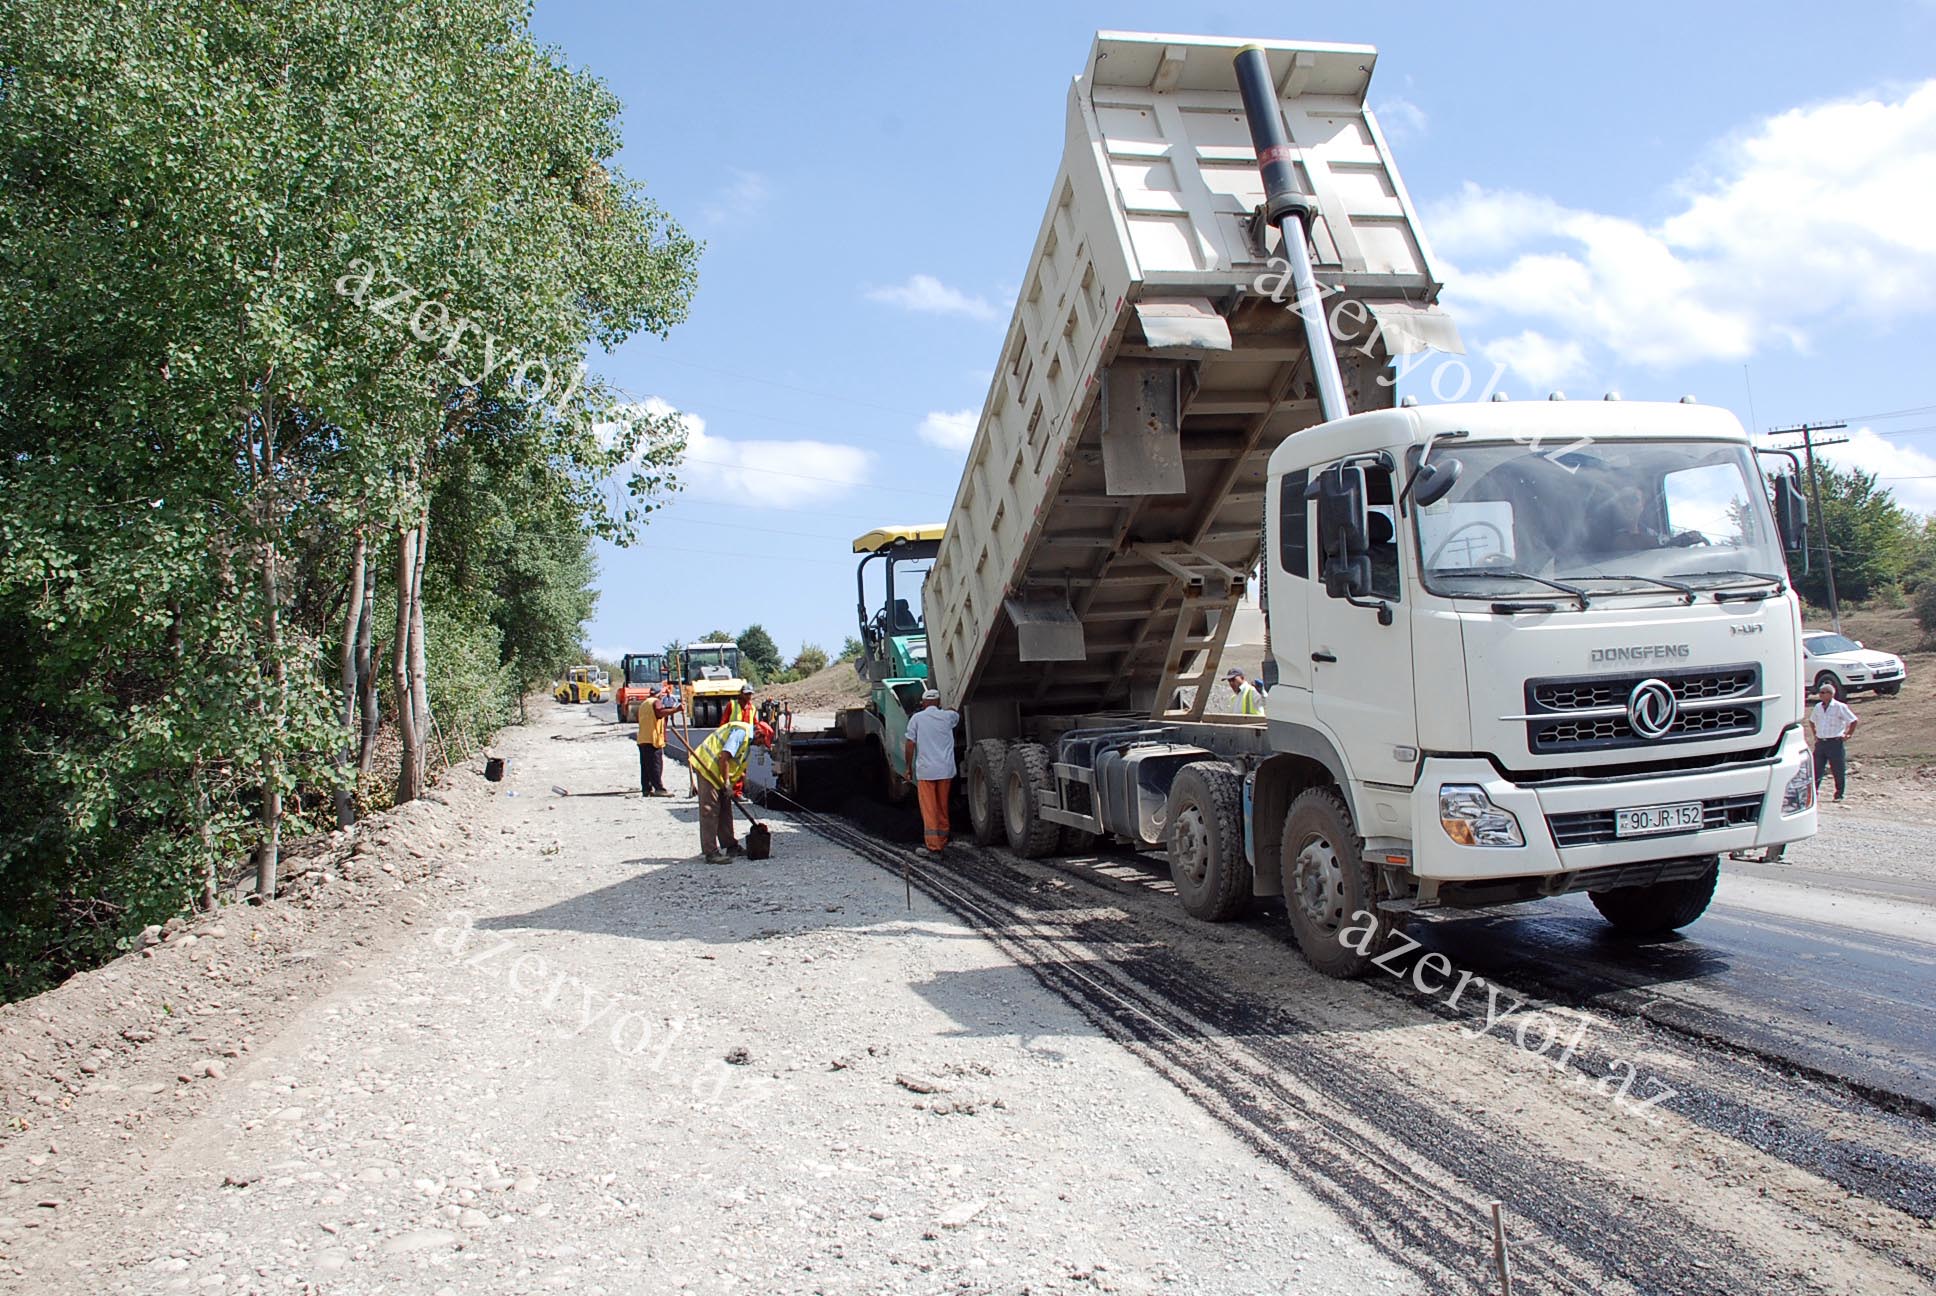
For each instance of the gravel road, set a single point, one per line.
(594, 1063)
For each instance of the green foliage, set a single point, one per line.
(1873, 539)
(756, 647)
(852, 650)
(1924, 602)
(202, 405)
(811, 659)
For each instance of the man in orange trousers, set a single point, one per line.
(930, 753)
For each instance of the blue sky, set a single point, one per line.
(1682, 199)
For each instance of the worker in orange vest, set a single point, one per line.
(743, 711)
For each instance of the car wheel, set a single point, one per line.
(1889, 690)
(1828, 677)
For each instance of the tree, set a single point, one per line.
(852, 650)
(219, 427)
(1873, 538)
(757, 646)
(811, 658)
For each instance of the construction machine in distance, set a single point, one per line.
(893, 661)
(640, 675)
(711, 682)
(580, 684)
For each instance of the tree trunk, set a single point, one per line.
(410, 771)
(366, 684)
(211, 880)
(352, 630)
(420, 649)
(269, 850)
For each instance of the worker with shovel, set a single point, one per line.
(719, 764)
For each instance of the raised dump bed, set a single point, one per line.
(1111, 507)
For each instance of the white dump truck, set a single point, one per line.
(1521, 649)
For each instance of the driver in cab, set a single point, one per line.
(1631, 532)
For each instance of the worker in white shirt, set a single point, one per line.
(930, 753)
(1249, 701)
(1832, 723)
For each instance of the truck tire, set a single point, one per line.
(983, 786)
(1205, 836)
(1026, 783)
(1661, 907)
(1327, 883)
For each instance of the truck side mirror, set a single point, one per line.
(1341, 514)
(1435, 481)
(1791, 512)
(1347, 578)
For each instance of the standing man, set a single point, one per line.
(1832, 722)
(744, 709)
(653, 719)
(719, 764)
(930, 755)
(1249, 701)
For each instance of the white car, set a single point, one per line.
(1830, 658)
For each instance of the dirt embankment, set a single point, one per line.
(839, 685)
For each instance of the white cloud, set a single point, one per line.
(950, 431)
(1908, 473)
(1815, 218)
(717, 468)
(741, 199)
(1401, 119)
(1541, 361)
(929, 295)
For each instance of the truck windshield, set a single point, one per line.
(1608, 517)
(643, 670)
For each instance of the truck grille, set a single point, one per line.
(1588, 827)
(1586, 713)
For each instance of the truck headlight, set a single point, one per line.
(1799, 795)
(1471, 819)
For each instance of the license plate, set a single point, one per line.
(1657, 819)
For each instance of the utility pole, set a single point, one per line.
(1807, 431)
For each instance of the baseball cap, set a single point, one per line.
(931, 695)
(1233, 673)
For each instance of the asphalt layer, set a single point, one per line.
(1754, 1014)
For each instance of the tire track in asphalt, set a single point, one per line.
(1386, 1161)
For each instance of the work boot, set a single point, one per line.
(734, 849)
(717, 857)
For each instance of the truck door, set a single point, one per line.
(1361, 671)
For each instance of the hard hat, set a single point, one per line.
(746, 690)
(763, 733)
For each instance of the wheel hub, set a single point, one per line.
(1319, 884)
(1192, 844)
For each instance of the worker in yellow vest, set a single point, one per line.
(743, 709)
(719, 765)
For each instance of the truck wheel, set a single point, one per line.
(1206, 842)
(1327, 884)
(1025, 785)
(1661, 907)
(986, 763)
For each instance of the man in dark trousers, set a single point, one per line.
(1832, 722)
(653, 718)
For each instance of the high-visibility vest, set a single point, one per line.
(705, 758)
(744, 712)
(1249, 701)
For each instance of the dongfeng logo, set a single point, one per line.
(1651, 709)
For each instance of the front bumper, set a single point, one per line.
(1568, 827)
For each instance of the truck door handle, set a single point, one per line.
(1323, 657)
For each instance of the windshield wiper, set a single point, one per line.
(1776, 585)
(1510, 573)
(1687, 592)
